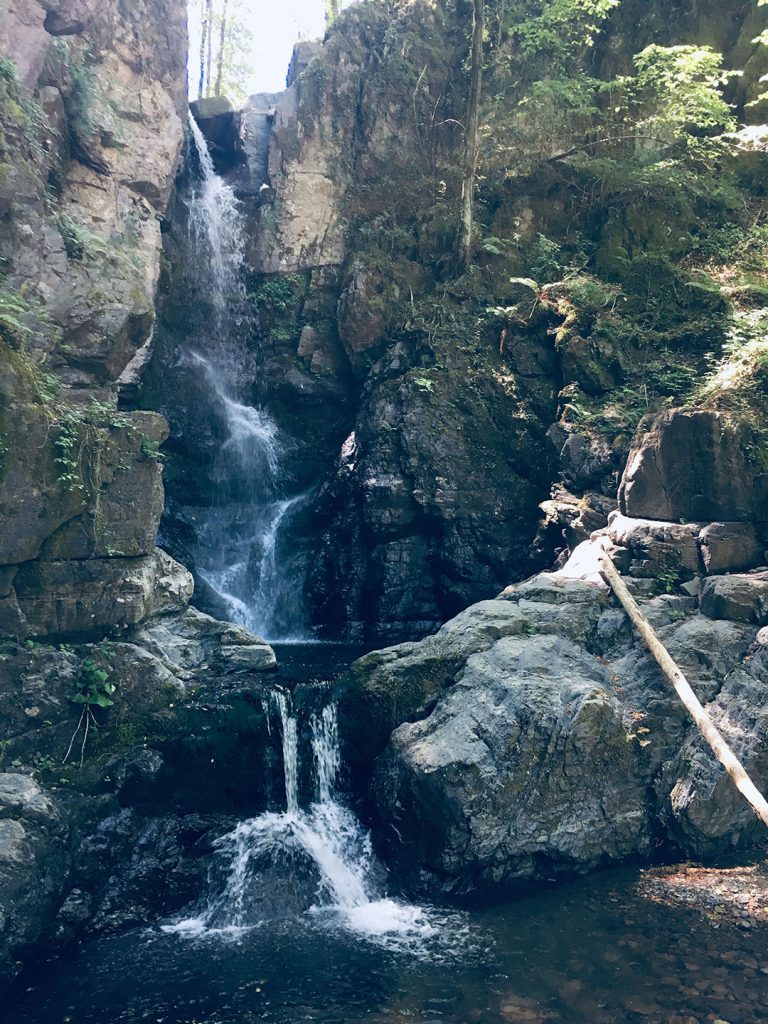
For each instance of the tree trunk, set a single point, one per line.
(203, 34)
(693, 705)
(470, 152)
(220, 55)
(209, 54)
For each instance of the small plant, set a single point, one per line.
(150, 449)
(424, 384)
(668, 578)
(67, 446)
(94, 689)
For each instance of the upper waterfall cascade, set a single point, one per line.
(238, 544)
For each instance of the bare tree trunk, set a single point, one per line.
(470, 152)
(220, 55)
(331, 12)
(203, 34)
(693, 705)
(209, 53)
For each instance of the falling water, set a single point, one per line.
(323, 846)
(238, 543)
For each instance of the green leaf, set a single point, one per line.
(527, 282)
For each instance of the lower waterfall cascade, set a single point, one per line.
(323, 843)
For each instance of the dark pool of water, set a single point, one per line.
(308, 663)
(592, 952)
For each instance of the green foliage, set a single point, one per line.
(678, 93)
(15, 315)
(8, 71)
(559, 30)
(150, 449)
(68, 447)
(94, 690)
(276, 295)
(79, 442)
(23, 124)
(94, 685)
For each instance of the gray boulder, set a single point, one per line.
(34, 863)
(92, 596)
(192, 640)
(702, 808)
(740, 598)
(523, 771)
(694, 464)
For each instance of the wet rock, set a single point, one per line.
(136, 776)
(137, 869)
(221, 125)
(194, 640)
(34, 862)
(430, 507)
(740, 598)
(693, 464)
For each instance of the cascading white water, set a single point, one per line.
(324, 842)
(237, 553)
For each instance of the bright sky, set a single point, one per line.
(276, 25)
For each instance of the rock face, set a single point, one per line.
(33, 865)
(695, 464)
(89, 150)
(524, 770)
(531, 737)
(116, 838)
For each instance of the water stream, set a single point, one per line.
(316, 860)
(238, 552)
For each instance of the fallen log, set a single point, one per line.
(704, 723)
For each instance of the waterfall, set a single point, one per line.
(238, 552)
(321, 851)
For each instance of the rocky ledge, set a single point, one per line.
(533, 736)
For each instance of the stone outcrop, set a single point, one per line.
(520, 772)
(96, 840)
(33, 866)
(89, 146)
(497, 747)
(695, 464)
(739, 598)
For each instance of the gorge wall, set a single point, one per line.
(91, 112)
(431, 411)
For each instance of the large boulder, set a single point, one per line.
(385, 688)
(703, 809)
(695, 465)
(192, 640)
(533, 735)
(524, 770)
(741, 597)
(94, 596)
